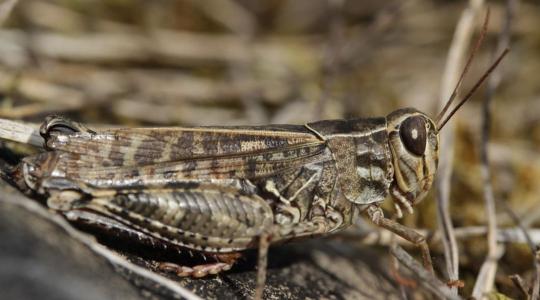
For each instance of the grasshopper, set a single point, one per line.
(223, 190)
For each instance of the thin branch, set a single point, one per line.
(380, 237)
(490, 263)
(520, 284)
(486, 277)
(532, 246)
(536, 284)
(20, 132)
(428, 280)
(456, 54)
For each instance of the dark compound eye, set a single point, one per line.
(413, 134)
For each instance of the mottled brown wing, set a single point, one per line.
(158, 157)
(144, 146)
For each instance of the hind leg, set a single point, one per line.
(224, 263)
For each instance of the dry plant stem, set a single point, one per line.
(20, 132)
(384, 237)
(460, 42)
(532, 246)
(486, 277)
(504, 235)
(28, 133)
(536, 284)
(535, 294)
(503, 43)
(426, 279)
(394, 269)
(520, 284)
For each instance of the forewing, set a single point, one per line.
(144, 146)
(157, 157)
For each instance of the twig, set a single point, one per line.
(383, 237)
(520, 284)
(462, 35)
(20, 132)
(532, 247)
(428, 280)
(486, 277)
(504, 42)
(536, 283)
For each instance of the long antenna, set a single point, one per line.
(466, 68)
(474, 88)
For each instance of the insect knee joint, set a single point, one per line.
(64, 200)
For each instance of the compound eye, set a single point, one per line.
(413, 134)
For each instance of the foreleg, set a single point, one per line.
(376, 215)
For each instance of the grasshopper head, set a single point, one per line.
(414, 143)
(414, 140)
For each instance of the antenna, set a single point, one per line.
(474, 88)
(466, 68)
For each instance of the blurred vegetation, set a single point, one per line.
(139, 63)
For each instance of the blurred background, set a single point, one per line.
(230, 62)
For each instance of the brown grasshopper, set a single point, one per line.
(222, 190)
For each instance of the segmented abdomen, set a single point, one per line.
(216, 220)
